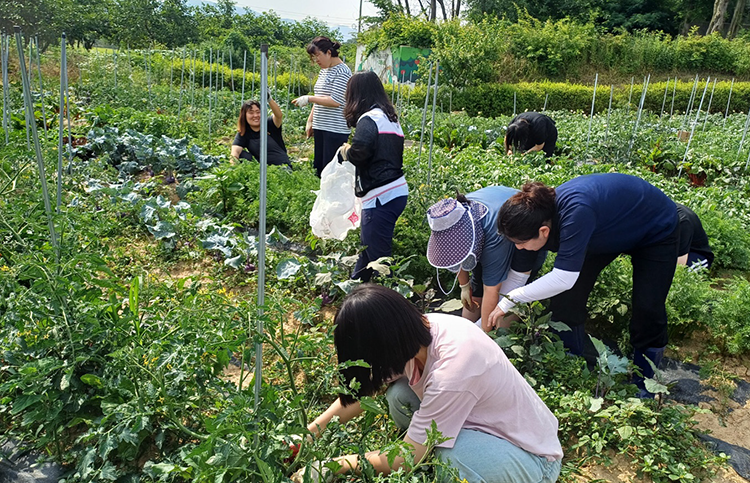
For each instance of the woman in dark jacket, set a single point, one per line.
(377, 152)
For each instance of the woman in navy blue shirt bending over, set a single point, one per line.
(589, 221)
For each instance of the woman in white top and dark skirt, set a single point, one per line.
(326, 123)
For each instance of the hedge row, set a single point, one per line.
(493, 99)
(496, 50)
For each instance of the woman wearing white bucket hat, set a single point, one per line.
(465, 240)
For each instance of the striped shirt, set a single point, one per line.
(332, 82)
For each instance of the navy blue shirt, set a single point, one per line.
(607, 213)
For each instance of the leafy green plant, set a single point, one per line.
(688, 302)
(609, 368)
(530, 341)
(728, 314)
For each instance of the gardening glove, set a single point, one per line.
(344, 152)
(466, 299)
(294, 442)
(316, 472)
(301, 101)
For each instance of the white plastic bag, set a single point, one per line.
(336, 209)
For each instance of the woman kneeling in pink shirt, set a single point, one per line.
(448, 371)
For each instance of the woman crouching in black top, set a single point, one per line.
(246, 143)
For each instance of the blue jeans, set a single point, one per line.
(479, 457)
(377, 234)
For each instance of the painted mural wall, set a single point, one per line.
(398, 64)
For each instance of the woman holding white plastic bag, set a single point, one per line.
(377, 152)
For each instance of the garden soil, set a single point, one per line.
(621, 471)
(726, 420)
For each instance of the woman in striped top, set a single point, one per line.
(377, 152)
(326, 123)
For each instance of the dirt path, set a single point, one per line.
(620, 471)
(722, 387)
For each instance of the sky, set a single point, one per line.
(334, 13)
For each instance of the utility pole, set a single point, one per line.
(359, 22)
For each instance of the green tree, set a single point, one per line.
(266, 27)
(301, 33)
(136, 23)
(227, 12)
(86, 21)
(40, 18)
(468, 53)
(178, 26)
(214, 22)
(669, 16)
(541, 9)
(641, 14)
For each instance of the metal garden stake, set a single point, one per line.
(262, 220)
(664, 101)
(708, 109)
(591, 115)
(692, 130)
(726, 113)
(424, 112)
(41, 85)
(640, 111)
(244, 64)
(432, 124)
(37, 148)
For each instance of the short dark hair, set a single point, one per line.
(364, 91)
(323, 44)
(242, 121)
(525, 212)
(517, 134)
(380, 327)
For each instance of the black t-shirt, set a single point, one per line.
(276, 147)
(542, 130)
(692, 236)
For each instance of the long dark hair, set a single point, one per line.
(517, 134)
(323, 44)
(380, 327)
(364, 91)
(242, 121)
(525, 212)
